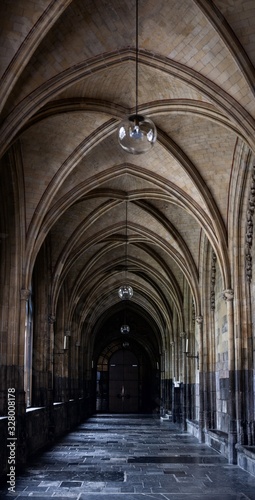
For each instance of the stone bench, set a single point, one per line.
(218, 440)
(246, 458)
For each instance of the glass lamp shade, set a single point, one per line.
(125, 292)
(137, 134)
(124, 329)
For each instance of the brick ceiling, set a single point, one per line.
(67, 79)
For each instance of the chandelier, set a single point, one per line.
(137, 133)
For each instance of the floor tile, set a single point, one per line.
(131, 457)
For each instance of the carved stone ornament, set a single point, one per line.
(248, 263)
(213, 277)
(249, 229)
(193, 312)
(228, 294)
(51, 319)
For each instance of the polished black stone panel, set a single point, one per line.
(70, 484)
(181, 459)
(174, 496)
(131, 457)
(76, 474)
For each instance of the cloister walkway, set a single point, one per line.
(131, 457)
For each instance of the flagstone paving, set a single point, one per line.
(131, 457)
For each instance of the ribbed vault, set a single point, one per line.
(67, 82)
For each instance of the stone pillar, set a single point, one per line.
(67, 371)
(172, 361)
(24, 298)
(228, 295)
(162, 385)
(77, 364)
(51, 321)
(28, 345)
(19, 383)
(183, 337)
(168, 388)
(199, 321)
(50, 355)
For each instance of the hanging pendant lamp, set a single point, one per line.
(124, 329)
(137, 133)
(125, 292)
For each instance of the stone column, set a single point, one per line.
(199, 321)
(50, 354)
(24, 298)
(172, 361)
(27, 346)
(77, 364)
(168, 385)
(183, 337)
(51, 321)
(162, 384)
(19, 383)
(67, 370)
(228, 296)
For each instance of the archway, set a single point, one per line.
(127, 379)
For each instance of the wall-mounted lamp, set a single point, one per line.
(187, 351)
(193, 356)
(65, 342)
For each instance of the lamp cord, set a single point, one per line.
(126, 245)
(125, 305)
(136, 61)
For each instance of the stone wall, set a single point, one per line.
(221, 357)
(42, 427)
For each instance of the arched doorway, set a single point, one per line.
(127, 380)
(124, 384)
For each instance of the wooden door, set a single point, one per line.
(123, 382)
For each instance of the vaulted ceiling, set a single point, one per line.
(67, 80)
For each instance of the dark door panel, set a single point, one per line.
(123, 382)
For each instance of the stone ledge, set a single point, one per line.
(34, 408)
(246, 458)
(193, 427)
(218, 440)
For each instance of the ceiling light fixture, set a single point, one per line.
(137, 133)
(124, 329)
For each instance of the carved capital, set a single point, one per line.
(199, 320)
(228, 295)
(51, 319)
(183, 334)
(24, 294)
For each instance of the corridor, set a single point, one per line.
(131, 457)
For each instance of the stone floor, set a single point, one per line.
(131, 457)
